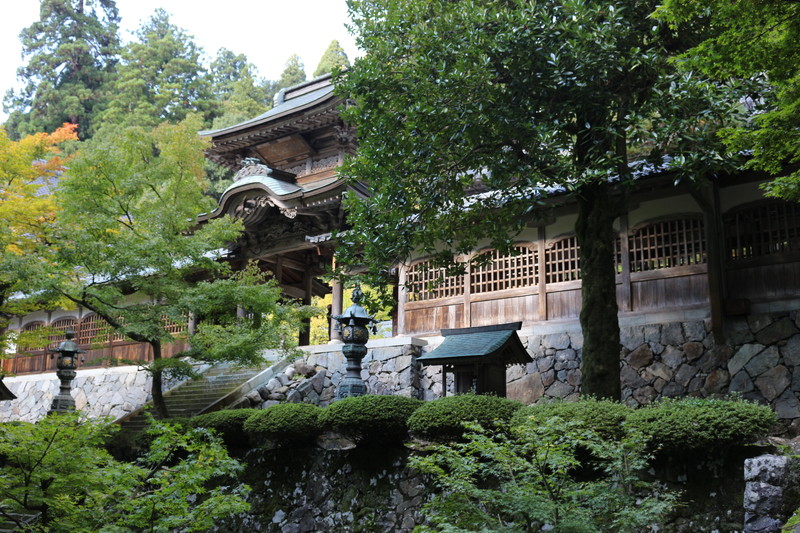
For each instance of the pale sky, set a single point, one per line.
(266, 31)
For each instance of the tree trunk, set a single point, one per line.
(156, 389)
(599, 322)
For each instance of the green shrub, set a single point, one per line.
(604, 417)
(371, 419)
(694, 424)
(444, 419)
(227, 423)
(286, 423)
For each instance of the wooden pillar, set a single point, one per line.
(625, 261)
(467, 316)
(542, 273)
(305, 333)
(337, 293)
(402, 299)
(708, 198)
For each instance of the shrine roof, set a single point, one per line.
(467, 345)
(287, 102)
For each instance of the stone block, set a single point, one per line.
(576, 340)
(685, 374)
(574, 377)
(318, 381)
(672, 356)
(558, 341)
(631, 337)
(640, 357)
(773, 382)
(762, 362)
(659, 370)
(526, 390)
(758, 322)
(743, 356)
(559, 389)
(645, 395)
(694, 331)
(515, 372)
(791, 351)
(716, 357)
(548, 378)
(716, 381)
(630, 377)
(738, 331)
(652, 334)
(402, 362)
(673, 390)
(693, 350)
(787, 406)
(672, 334)
(659, 384)
(543, 364)
(741, 382)
(777, 331)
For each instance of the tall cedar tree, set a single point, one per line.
(161, 78)
(127, 249)
(333, 59)
(757, 43)
(293, 73)
(70, 53)
(519, 98)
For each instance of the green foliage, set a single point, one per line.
(371, 419)
(518, 98)
(228, 424)
(496, 482)
(59, 468)
(604, 417)
(161, 78)
(443, 419)
(332, 60)
(757, 44)
(293, 73)
(693, 424)
(286, 423)
(71, 52)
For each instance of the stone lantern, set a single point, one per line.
(354, 324)
(68, 352)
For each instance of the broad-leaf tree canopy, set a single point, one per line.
(518, 98)
(757, 42)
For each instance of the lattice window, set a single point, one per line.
(22, 345)
(173, 326)
(506, 271)
(562, 261)
(668, 243)
(427, 283)
(763, 229)
(93, 330)
(61, 326)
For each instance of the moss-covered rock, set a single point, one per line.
(286, 423)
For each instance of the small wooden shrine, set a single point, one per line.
(478, 357)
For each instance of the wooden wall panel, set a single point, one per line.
(764, 282)
(433, 319)
(669, 292)
(500, 311)
(564, 304)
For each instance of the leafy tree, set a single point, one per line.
(27, 170)
(246, 100)
(494, 482)
(757, 43)
(167, 490)
(333, 59)
(127, 239)
(516, 100)
(293, 73)
(70, 54)
(161, 78)
(225, 70)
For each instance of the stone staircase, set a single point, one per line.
(197, 396)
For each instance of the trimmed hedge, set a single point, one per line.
(605, 417)
(371, 419)
(285, 423)
(444, 419)
(228, 424)
(691, 424)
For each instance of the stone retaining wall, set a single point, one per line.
(761, 361)
(113, 392)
